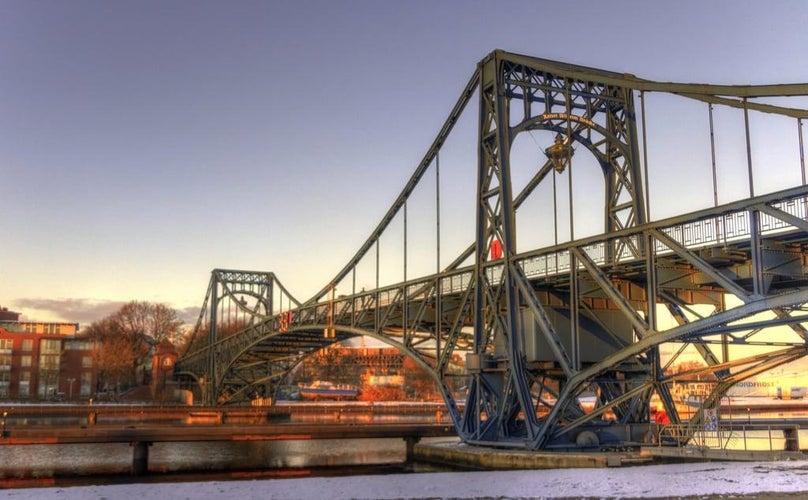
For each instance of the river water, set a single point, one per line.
(40, 465)
(71, 464)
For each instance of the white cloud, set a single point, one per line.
(82, 311)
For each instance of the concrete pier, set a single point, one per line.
(455, 453)
(140, 457)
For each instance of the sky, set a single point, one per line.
(688, 480)
(143, 144)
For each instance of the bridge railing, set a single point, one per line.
(714, 227)
(747, 437)
(733, 226)
(711, 228)
(707, 231)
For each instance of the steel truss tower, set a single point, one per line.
(580, 334)
(599, 117)
(237, 301)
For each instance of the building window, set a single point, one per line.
(25, 384)
(5, 362)
(86, 361)
(25, 361)
(27, 345)
(48, 384)
(49, 355)
(50, 346)
(5, 383)
(49, 362)
(6, 344)
(86, 383)
(74, 345)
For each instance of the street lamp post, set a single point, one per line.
(203, 394)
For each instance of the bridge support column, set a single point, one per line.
(140, 457)
(411, 441)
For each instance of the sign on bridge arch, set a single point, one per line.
(567, 116)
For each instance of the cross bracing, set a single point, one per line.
(516, 339)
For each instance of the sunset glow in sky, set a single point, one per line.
(143, 144)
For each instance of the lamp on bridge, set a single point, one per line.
(559, 153)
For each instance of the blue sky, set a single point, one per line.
(143, 144)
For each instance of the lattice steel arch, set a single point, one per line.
(597, 115)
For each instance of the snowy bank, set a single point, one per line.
(648, 481)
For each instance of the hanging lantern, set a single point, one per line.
(559, 153)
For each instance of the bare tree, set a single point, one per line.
(330, 364)
(165, 325)
(126, 338)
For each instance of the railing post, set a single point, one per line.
(744, 438)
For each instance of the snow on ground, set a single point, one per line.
(672, 480)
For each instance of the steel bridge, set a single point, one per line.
(517, 338)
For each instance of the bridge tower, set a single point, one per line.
(235, 301)
(581, 111)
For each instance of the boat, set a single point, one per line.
(320, 389)
(772, 391)
(778, 384)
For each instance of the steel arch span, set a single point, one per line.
(520, 339)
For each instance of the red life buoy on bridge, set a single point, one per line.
(284, 321)
(496, 249)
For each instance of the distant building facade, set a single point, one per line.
(380, 366)
(162, 377)
(43, 360)
(6, 315)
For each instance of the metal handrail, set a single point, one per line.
(743, 437)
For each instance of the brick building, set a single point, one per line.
(162, 375)
(43, 360)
